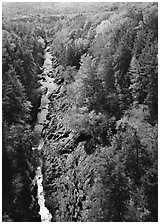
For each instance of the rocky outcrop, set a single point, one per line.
(68, 170)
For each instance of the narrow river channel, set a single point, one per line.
(47, 86)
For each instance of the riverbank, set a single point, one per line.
(48, 84)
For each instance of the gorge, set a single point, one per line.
(48, 84)
(80, 112)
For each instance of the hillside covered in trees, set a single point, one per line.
(100, 152)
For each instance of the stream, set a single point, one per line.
(47, 86)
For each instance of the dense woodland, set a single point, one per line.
(22, 57)
(107, 56)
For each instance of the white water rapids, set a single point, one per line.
(48, 82)
(44, 212)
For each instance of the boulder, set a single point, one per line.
(59, 81)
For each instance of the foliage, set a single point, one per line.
(112, 109)
(22, 55)
(108, 103)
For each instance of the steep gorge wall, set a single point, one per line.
(78, 182)
(70, 175)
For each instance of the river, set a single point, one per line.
(49, 86)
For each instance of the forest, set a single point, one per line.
(100, 153)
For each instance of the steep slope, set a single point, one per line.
(96, 127)
(100, 162)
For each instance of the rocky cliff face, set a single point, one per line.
(68, 170)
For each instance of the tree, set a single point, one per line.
(149, 77)
(16, 108)
(87, 88)
(134, 74)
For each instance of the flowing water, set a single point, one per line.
(48, 83)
